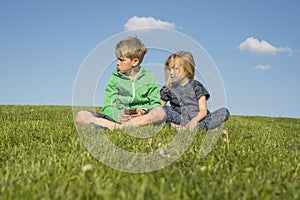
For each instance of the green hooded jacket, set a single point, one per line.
(122, 92)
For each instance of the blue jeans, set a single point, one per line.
(211, 121)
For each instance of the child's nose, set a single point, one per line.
(171, 71)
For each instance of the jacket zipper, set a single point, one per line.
(133, 90)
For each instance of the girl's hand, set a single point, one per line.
(192, 124)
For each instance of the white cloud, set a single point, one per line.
(146, 22)
(263, 67)
(262, 47)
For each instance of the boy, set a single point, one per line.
(130, 86)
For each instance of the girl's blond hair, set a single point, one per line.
(180, 59)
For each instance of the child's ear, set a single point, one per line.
(135, 62)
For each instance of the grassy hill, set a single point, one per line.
(42, 156)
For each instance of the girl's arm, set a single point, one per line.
(201, 114)
(163, 103)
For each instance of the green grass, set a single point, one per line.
(42, 155)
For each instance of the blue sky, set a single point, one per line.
(254, 44)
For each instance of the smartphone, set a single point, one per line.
(130, 111)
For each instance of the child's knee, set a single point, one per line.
(82, 116)
(78, 117)
(223, 113)
(226, 113)
(158, 114)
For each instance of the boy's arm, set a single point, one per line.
(108, 98)
(154, 96)
(107, 103)
(153, 92)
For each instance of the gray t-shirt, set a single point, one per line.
(184, 99)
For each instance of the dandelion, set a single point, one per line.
(150, 143)
(162, 152)
(203, 168)
(87, 168)
(225, 131)
(226, 139)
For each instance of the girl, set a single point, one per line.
(187, 96)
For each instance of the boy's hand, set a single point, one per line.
(137, 114)
(123, 117)
(130, 111)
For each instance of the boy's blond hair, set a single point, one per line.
(181, 59)
(131, 48)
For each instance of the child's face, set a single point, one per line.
(177, 73)
(124, 64)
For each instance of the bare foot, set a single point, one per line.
(129, 123)
(177, 126)
(106, 123)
